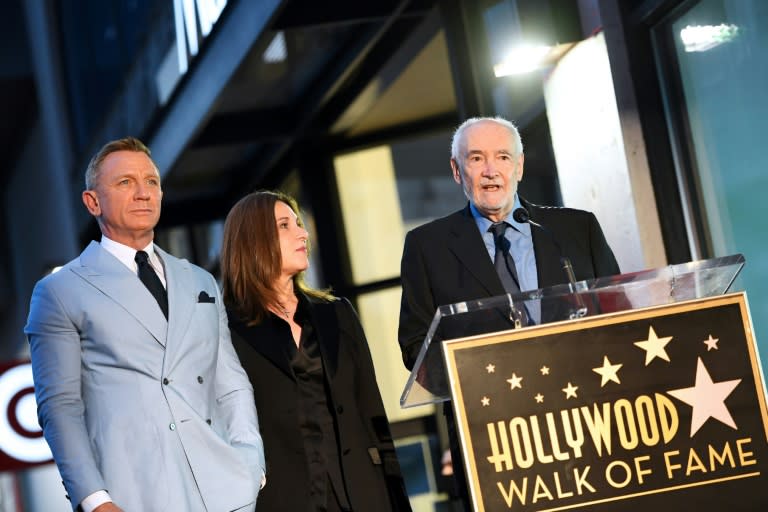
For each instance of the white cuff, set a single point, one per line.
(92, 501)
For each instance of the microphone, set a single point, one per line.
(522, 216)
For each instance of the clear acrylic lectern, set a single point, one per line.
(674, 283)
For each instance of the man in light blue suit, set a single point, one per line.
(140, 394)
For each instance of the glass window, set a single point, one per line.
(371, 211)
(720, 47)
(379, 313)
(424, 181)
(387, 190)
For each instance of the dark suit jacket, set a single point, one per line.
(445, 261)
(370, 469)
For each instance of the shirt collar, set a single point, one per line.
(119, 249)
(484, 223)
(127, 254)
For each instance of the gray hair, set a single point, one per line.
(458, 135)
(124, 144)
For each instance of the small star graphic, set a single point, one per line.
(515, 381)
(539, 398)
(654, 346)
(485, 401)
(707, 398)
(711, 343)
(570, 391)
(491, 368)
(608, 372)
(544, 370)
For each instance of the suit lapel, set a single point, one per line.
(116, 281)
(262, 338)
(326, 322)
(182, 293)
(548, 268)
(467, 244)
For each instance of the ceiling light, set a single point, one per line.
(700, 38)
(276, 51)
(522, 59)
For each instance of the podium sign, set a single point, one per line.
(656, 407)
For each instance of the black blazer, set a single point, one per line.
(445, 261)
(369, 465)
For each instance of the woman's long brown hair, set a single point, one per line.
(251, 260)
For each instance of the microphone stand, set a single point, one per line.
(522, 216)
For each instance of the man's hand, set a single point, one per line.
(108, 507)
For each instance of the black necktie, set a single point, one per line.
(151, 281)
(502, 260)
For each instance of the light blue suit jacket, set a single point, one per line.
(159, 413)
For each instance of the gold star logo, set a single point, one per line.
(539, 398)
(491, 368)
(711, 343)
(707, 398)
(654, 346)
(544, 370)
(485, 401)
(515, 382)
(570, 391)
(608, 372)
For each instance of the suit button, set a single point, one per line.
(208, 421)
(165, 381)
(340, 409)
(199, 379)
(172, 426)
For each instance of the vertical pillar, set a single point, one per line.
(630, 117)
(39, 201)
(469, 55)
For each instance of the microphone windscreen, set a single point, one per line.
(521, 215)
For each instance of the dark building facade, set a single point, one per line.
(648, 112)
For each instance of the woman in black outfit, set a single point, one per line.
(326, 435)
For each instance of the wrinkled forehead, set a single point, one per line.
(487, 136)
(127, 163)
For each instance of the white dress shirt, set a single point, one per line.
(127, 256)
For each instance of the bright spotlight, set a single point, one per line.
(522, 59)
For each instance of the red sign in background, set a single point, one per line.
(21, 440)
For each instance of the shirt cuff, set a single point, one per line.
(92, 501)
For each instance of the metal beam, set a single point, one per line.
(333, 93)
(267, 124)
(311, 13)
(470, 57)
(241, 25)
(403, 131)
(407, 46)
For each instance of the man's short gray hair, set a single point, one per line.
(458, 136)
